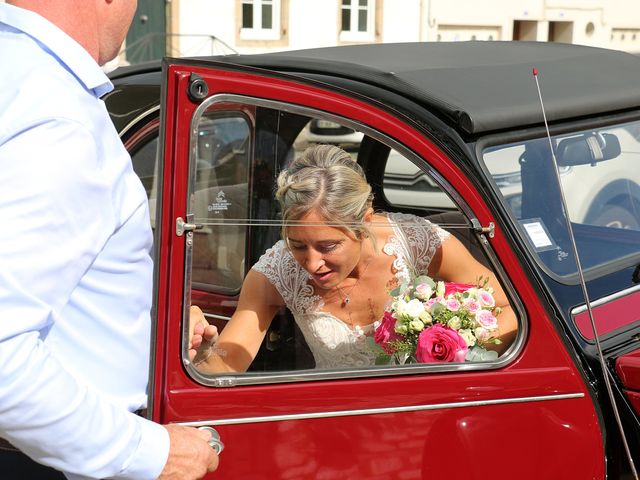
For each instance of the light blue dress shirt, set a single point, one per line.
(75, 266)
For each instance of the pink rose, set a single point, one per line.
(452, 287)
(423, 292)
(429, 303)
(453, 304)
(440, 344)
(486, 319)
(486, 299)
(385, 333)
(471, 305)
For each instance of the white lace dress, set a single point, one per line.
(333, 343)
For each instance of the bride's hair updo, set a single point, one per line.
(326, 179)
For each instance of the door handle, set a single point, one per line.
(214, 441)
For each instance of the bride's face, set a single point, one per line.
(328, 253)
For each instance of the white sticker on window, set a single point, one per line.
(538, 234)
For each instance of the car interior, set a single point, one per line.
(238, 153)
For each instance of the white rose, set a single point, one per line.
(412, 309)
(468, 336)
(423, 292)
(482, 334)
(440, 289)
(401, 328)
(416, 325)
(454, 322)
(426, 318)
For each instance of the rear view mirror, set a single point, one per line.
(587, 149)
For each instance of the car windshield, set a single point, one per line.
(600, 176)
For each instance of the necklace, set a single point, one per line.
(346, 296)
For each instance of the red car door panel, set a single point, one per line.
(514, 419)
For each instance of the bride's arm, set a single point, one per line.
(453, 262)
(238, 343)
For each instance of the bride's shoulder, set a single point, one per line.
(276, 256)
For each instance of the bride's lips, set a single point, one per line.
(322, 276)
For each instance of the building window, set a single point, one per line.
(260, 20)
(357, 20)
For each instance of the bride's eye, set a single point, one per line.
(328, 247)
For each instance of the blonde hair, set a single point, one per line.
(326, 179)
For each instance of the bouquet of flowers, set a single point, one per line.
(430, 321)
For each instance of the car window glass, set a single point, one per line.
(220, 199)
(144, 158)
(405, 184)
(600, 179)
(314, 330)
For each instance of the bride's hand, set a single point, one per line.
(202, 336)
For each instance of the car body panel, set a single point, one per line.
(542, 410)
(316, 420)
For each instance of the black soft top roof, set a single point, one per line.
(478, 86)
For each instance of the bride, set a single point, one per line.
(334, 269)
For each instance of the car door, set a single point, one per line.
(226, 131)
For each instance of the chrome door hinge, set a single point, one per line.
(478, 228)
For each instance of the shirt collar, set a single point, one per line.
(57, 43)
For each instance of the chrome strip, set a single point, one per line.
(380, 411)
(146, 113)
(609, 298)
(217, 317)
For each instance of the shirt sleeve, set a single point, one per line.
(51, 235)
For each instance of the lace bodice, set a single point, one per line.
(333, 343)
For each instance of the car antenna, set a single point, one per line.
(583, 284)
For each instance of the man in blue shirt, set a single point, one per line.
(75, 265)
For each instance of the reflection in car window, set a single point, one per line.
(306, 320)
(145, 163)
(405, 184)
(601, 183)
(220, 199)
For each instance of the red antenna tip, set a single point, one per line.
(535, 72)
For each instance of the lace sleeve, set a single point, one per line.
(420, 239)
(288, 277)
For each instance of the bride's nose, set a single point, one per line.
(314, 260)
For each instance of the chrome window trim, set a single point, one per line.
(382, 410)
(137, 119)
(604, 300)
(217, 317)
(254, 378)
(575, 311)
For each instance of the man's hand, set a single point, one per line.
(190, 456)
(202, 336)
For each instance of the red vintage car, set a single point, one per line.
(452, 132)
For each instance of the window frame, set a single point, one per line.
(248, 121)
(266, 378)
(257, 31)
(353, 34)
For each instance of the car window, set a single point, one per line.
(144, 158)
(234, 207)
(220, 201)
(600, 179)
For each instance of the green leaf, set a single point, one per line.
(479, 354)
(382, 359)
(437, 308)
(424, 279)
